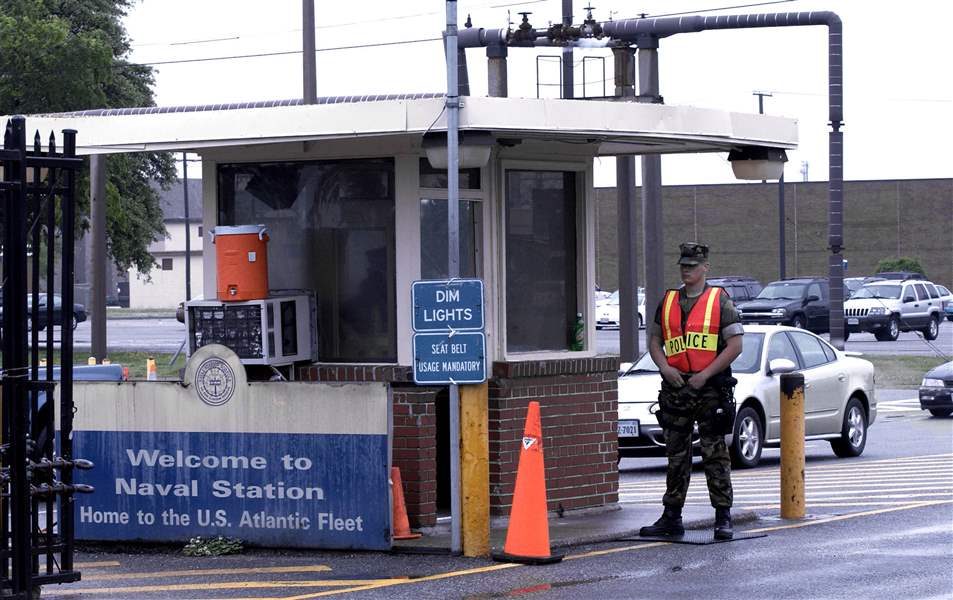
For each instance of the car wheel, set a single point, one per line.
(798, 322)
(853, 435)
(748, 440)
(846, 335)
(949, 317)
(74, 323)
(932, 330)
(891, 333)
(941, 412)
(641, 324)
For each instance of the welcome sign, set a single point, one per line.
(279, 464)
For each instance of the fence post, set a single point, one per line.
(792, 446)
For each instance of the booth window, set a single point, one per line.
(541, 260)
(331, 226)
(433, 238)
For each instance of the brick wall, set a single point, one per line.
(578, 402)
(415, 430)
(578, 405)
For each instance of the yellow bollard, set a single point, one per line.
(91, 360)
(475, 469)
(792, 446)
(151, 374)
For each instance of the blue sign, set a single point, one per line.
(441, 358)
(455, 304)
(303, 490)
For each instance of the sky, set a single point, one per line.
(898, 91)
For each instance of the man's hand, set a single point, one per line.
(671, 375)
(697, 381)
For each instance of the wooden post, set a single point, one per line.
(475, 468)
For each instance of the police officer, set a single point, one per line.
(695, 337)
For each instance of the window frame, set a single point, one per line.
(585, 255)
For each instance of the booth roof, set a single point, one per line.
(610, 128)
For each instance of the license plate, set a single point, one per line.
(853, 321)
(628, 428)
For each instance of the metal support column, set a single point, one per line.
(627, 221)
(97, 230)
(652, 221)
(566, 63)
(308, 56)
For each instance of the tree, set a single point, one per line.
(902, 263)
(65, 55)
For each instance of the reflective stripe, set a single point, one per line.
(670, 297)
(712, 295)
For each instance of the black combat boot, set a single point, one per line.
(669, 524)
(723, 530)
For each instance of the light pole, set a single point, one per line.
(781, 241)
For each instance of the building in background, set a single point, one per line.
(164, 286)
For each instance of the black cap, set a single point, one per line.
(692, 253)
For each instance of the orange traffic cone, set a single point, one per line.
(151, 373)
(527, 537)
(401, 524)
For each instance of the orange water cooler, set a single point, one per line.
(241, 256)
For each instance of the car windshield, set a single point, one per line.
(782, 291)
(749, 361)
(878, 290)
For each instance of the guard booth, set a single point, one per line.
(356, 212)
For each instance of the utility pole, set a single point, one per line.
(188, 232)
(782, 259)
(310, 95)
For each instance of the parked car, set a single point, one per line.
(802, 302)
(901, 275)
(839, 401)
(885, 308)
(78, 313)
(739, 288)
(607, 311)
(946, 298)
(852, 284)
(936, 390)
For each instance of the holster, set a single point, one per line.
(723, 422)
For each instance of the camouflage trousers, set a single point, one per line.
(679, 410)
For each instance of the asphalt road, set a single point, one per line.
(878, 526)
(166, 335)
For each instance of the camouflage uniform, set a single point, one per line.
(683, 407)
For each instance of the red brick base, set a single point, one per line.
(578, 404)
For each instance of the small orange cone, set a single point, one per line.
(527, 537)
(151, 373)
(401, 524)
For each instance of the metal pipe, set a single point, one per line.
(496, 52)
(453, 259)
(652, 218)
(567, 58)
(188, 233)
(308, 53)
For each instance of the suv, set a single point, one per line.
(738, 288)
(885, 308)
(802, 302)
(902, 275)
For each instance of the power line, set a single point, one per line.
(288, 52)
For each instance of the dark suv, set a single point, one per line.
(803, 302)
(739, 288)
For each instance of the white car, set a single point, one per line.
(607, 311)
(839, 401)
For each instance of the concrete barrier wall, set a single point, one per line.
(278, 464)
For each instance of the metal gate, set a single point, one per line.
(36, 462)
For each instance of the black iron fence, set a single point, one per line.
(36, 457)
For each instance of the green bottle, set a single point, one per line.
(578, 334)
